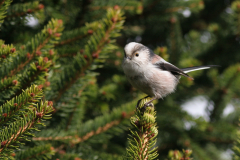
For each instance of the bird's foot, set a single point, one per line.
(138, 103)
(143, 109)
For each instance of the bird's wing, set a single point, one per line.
(171, 68)
(190, 69)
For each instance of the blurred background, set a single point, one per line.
(202, 115)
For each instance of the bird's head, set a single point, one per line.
(136, 53)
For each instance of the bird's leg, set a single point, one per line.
(140, 101)
(149, 102)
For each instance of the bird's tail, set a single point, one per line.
(190, 69)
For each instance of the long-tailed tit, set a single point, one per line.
(150, 73)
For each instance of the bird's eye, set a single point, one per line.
(136, 54)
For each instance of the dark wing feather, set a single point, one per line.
(171, 68)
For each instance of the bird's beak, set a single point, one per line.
(129, 58)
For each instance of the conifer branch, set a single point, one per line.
(236, 147)
(50, 33)
(26, 118)
(77, 34)
(104, 123)
(9, 110)
(1, 3)
(38, 152)
(191, 6)
(68, 85)
(6, 51)
(30, 57)
(107, 7)
(222, 91)
(143, 138)
(75, 107)
(148, 9)
(68, 55)
(4, 4)
(85, 82)
(71, 40)
(177, 155)
(128, 6)
(63, 42)
(25, 124)
(20, 10)
(36, 73)
(9, 83)
(219, 140)
(76, 139)
(98, 131)
(116, 19)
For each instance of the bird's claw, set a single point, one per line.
(143, 109)
(147, 105)
(138, 103)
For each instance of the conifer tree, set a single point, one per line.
(63, 94)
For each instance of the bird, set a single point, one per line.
(151, 74)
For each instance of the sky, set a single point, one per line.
(197, 107)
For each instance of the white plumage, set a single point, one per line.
(150, 73)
